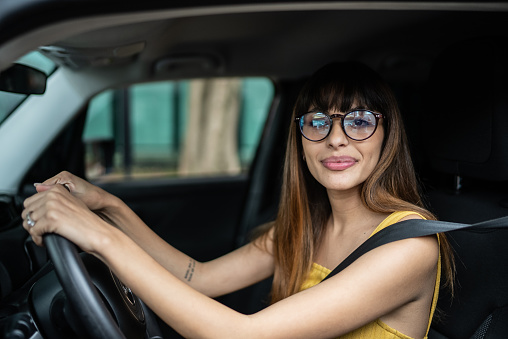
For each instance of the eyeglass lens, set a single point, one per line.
(357, 125)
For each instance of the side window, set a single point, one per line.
(198, 127)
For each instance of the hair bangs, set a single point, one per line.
(343, 90)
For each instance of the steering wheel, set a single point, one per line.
(84, 298)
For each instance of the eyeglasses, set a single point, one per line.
(358, 125)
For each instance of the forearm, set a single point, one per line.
(195, 315)
(231, 272)
(189, 312)
(117, 213)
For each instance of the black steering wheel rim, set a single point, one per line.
(79, 289)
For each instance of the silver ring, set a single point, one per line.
(29, 220)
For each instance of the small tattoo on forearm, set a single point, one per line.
(190, 270)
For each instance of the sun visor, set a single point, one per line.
(79, 58)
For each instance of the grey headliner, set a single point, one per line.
(281, 40)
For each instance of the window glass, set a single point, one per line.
(8, 103)
(197, 127)
(37, 60)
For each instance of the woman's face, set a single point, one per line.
(340, 163)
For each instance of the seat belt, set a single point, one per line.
(415, 228)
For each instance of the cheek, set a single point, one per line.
(374, 160)
(375, 152)
(307, 155)
(306, 148)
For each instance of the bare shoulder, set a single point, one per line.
(416, 256)
(422, 251)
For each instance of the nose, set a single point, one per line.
(337, 137)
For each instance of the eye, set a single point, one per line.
(319, 123)
(360, 119)
(316, 120)
(359, 122)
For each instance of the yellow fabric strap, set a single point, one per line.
(436, 288)
(393, 218)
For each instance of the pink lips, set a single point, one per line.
(339, 163)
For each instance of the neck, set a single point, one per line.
(349, 214)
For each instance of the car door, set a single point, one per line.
(119, 142)
(178, 153)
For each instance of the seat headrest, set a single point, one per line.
(466, 116)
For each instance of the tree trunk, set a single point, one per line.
(211, 140)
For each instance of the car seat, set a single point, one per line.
(465, 130)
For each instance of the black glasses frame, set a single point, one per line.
(341, 116)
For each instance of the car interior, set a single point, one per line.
(447, 63)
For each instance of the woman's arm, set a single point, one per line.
(365, 291)
(223, 275)
(377, 284)
(231, 272)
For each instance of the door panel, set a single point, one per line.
(197, 216)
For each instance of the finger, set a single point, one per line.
(26, 220)
(44, 187)
(39, 195)
(36, 204)
(64, 178)
(33, 226)
(37, 231)
(31, 216)
(37, 240)
(32, 200)
(58, 221)
(54, 180)
(41, 217)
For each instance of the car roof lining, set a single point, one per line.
(87, 28)
(293, 40)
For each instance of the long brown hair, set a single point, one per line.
(304, 206)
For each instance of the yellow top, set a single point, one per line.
(376, 329)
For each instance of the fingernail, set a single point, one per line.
(37, 184)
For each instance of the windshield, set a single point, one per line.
(10, 101)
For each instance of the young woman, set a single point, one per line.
(347, 175)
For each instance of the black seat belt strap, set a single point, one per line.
(415, 228)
